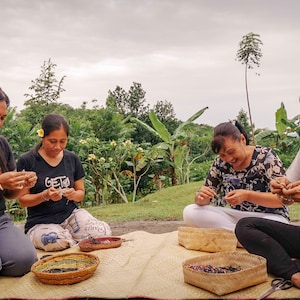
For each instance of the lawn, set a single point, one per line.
(166, 204)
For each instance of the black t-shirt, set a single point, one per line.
(61, 177)
(7, 163)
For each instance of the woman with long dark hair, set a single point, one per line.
(54, 221)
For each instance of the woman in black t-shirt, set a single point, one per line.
(17, 253)
(54, 221)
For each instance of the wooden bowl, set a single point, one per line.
(106, 242)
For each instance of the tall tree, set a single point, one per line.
(46, 91)
(249, 54)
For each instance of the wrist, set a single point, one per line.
(286, 200)
(43, 196)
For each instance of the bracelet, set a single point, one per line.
(43, 198)
(286, 201)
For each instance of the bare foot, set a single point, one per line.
(296, 279)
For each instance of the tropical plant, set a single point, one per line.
(175, 144)
(285, 140)
(116, 167)
(249, 54)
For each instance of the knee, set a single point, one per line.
(19, 265)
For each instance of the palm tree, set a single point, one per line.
(249, 54)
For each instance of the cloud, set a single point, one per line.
(181, 51)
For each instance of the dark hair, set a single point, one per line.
(232, 129)
(53, 122)
(4, 97)
(3, 161)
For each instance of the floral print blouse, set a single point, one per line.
(264, 166)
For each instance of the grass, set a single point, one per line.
(164, 205)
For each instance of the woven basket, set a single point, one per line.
(207, 239)
(65, 268)
(253, 271)
(92, 244)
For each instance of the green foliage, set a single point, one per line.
(285, 140)
(20, 134)
(116, 165)
(131, 103)
(176, 144)
(242, 118)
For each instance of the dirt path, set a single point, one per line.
(119, 228)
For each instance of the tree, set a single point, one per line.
(46, 91)
(128, 103)
(249, 54)
(242, 118)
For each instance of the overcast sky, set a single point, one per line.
(181, 51)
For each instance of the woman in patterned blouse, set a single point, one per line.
(238, 183)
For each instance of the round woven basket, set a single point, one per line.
(253, 271)
(207, 239)
(65, 268)
(92, 244)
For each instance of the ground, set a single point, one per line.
(120, 228)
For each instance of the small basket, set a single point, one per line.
(253, 271)
(207, 239)
(65, 268)
(92, 244)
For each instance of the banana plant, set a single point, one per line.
(175, 144)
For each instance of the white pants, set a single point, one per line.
(80, 225)
(208, 216)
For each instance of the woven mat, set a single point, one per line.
(146, 265)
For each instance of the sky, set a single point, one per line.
(181, 51)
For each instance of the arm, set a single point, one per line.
(293, 172)
(266, 199)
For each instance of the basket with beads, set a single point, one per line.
(65, 268)
(225, 272)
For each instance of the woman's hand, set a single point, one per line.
(236, 197)
(204, 195)
(52, 194)
(30, 179)
(277, 184)
(292, 190)
(70, 193)
(12, 180)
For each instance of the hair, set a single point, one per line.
(3, 162)
(232, 129)
(4, 97)
(53, 122)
